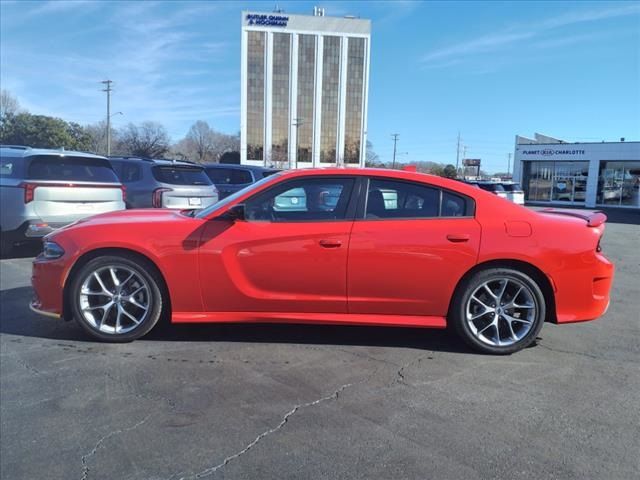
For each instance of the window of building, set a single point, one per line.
(392, 199)
(280, 99)
(255, 95)
(306, 80)
(319, 199)
(555, 181)
(619, 183)
(355, 92)
(330, 94)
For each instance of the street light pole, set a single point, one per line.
(107, 84)
(297, 122)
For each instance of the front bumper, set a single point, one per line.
(35, 305)
(47, 279)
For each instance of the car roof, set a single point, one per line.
(158, 161)
(22, 151)
(254, 168)
(388, 173)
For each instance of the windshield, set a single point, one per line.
(511, 187)
(71, 169)
(205, 212)
(491, 187)
(179, 175)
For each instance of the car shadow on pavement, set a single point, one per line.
(25, 250)
(17, 319)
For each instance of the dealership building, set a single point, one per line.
(556, 172)
(305, 82)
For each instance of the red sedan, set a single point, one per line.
(339, 246)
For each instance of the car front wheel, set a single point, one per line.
(116, 298)
(498, 310)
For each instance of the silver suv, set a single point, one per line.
(164, 183)
(41, 190)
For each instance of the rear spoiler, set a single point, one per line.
(594, 218)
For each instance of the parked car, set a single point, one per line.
(514, 192)
(444, 253)
(229, 179)
(493, 187)
(164, 183)
(41, 190)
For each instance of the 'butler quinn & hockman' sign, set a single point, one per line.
(264, 20)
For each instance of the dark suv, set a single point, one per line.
(154, 183)
(231, 178)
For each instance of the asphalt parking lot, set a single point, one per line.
(243, 401)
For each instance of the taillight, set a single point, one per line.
(29, 191)
(156, 199)
(124, 192)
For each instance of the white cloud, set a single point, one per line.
(516, 34)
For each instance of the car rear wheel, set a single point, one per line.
(498, 310)
(116, 298)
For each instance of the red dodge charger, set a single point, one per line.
(338, 246)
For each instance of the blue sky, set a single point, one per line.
(490, 70)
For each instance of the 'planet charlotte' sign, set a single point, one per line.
(550, 152)
(263, 20)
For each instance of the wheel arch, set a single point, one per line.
(531, 270)
(98, 252)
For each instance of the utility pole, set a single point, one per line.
(509, 165)
(107, 84)
(464, 155)
(395, 141)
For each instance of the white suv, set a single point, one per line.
(41, 190)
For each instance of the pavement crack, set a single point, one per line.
(28, 367)
(85, 457)
(283, 422)
(400, 378)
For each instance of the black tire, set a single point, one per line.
(494, 277)
(145, 269)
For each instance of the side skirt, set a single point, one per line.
(310, 318)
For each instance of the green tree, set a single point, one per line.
(41, 131)
(449, 171)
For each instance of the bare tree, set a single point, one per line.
(9, 104)
(98, 134)
(149, 139)
(371, 157)
(204, 144)
(201, 139)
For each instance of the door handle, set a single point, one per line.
(330, 243)
(458, 237)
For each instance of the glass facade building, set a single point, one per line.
(587, 175)
(304, 90)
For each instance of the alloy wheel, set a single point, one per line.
(114, 299)
(501, 311)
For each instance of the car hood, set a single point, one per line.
(135, 216)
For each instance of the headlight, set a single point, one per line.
(52, 250)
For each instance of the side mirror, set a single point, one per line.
(235, 213)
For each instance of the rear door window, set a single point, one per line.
(71, 169)
(130, 172)
(9, 167)
(179, 175)
(391, 199)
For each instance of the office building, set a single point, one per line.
(305, 82)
